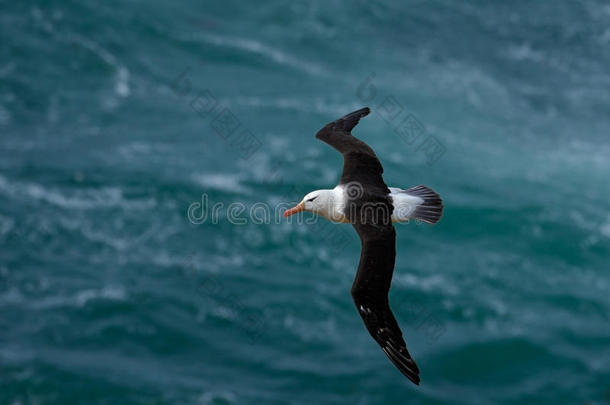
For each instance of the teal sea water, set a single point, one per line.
(116, 117)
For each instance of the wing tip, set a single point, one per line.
(406, 365)
(363, 112)
(412, 376)
(343, 126)
(349, 121)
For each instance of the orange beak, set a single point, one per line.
(298, 208)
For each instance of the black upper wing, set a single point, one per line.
(359, 161)
(369, 210)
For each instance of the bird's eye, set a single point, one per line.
(312, 198)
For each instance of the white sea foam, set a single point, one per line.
(427, 283)
(259, 48)
(121, 86)
(78, 299)
(312, 331)
(77, 199)
(317, 105)
(224, 313)
(217, 397)
(525, 52)
(106, 293)
(223, 182)
(136, 149)
(117, 238)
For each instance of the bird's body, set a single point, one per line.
(331, 203)
(363, 200)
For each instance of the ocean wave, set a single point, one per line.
(222, 182)
(79, 199)
(223, 397)
(259, 48)
(133, 149)
(121, 85)
(106, 293)
(6, 225)
(317, 105)
(79, 299)
(320, 331)
(119, 238)
(434, 282)
(5, 116)
(525, 52)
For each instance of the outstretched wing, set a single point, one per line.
(370, 294)
(369, 210)
(359, 161)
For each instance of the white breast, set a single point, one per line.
(337, 208)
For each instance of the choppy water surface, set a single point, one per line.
(109, 294)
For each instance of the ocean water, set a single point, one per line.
(116, 118)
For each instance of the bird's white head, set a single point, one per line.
(318, 201)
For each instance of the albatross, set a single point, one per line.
(364, 200)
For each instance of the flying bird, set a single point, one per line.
(364, 200)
